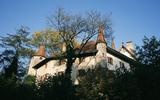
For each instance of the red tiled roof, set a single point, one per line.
(88, 47)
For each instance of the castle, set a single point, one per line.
(92, 53)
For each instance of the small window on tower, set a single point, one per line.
(110, 60)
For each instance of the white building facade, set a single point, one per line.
(40, 66)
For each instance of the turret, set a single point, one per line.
(38, 57)
(101, 45)
(129, 46)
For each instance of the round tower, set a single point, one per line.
(101, 45)
(38, 57)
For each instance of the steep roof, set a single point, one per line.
(92, 52)
(88, 47)
(100, 37)
(43, 62)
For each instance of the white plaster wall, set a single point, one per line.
(125, 53)
(41, 71)
(34, 60)
(116, 62)
(52, 67)
(88, 62)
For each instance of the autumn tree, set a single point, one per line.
(72, 27)
(49, 38)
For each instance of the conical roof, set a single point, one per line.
(41, 51)
(100, 38)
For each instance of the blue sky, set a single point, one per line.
(132, 19)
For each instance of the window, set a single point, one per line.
(61, 62)
(103, 54)
(110, 60)
(121, 64)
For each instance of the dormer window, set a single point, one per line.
(110, 60)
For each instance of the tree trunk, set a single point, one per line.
(70, 54)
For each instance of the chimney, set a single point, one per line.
(129, 46)
(41, 51)
(100, 38)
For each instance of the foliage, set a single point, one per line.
(101, 84)
(149, 71)
(29, 80)
(11, 70)
(16, 49)
(72, 27)
(58, 87)
(11, 89)
(49, 38)
(92, 84)
(149, 53)
(18, 42)
(6, 58)
(124, 86)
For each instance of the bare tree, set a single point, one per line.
(76, 27)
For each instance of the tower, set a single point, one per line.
(101, 45)
(38, 57)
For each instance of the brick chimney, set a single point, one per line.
(129, 46)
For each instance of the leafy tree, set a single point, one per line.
(149, 71)
(29, 80)
(6, 58)
(149, 53)
(92, 84)
(56, 87)
(11, 70)
(17, 46)
(49, 38)
(76, 27)
(11, 89)
(124, 86)
(101, 84)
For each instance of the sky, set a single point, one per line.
(132, 19)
